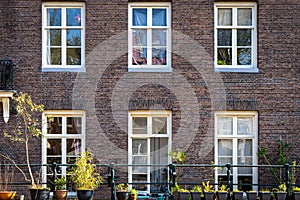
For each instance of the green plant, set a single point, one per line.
(27, 126)
(207, 187)
(281, 188)
(296, 189)
(61, 183)
(223, 188)
(196, 189)
(85, 174)
(122, 187)
(133, 192)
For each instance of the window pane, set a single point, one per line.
(244, 56)
(224, 37)
(225, 126)
(224, 56)
(159, 17)
(139, 17)
(159, 37)
(73, 16)
(139, 160)
(159, 125)
(247, 181)
(224, 16)
(54, 56)
(74, 125)
(159, 56)
(245, 161)
(73, 147)
(139, 146)
(139, 125)
(244, 37)
(142, 178)
(73, 56)
(54, 125)
(139, 56)
(54, 17)
(225, 147)
(139, 37)
(244, 16)
(244, 147)
(51, 160)
(54, 147)
(54, 37)
(245, 126)
(73, 37)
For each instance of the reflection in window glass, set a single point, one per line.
(224, 16)
(244, 16)
(139, 125)
(159, 17)
(73, 16)
(159, 125)
(54, 17)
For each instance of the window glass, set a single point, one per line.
(139, 125)
(54, 17)
(244, 16)
(225, 126)
(245, 126)
(139, 17)
(159, 17)
(159, 125)
(224, 16)
(73, 16)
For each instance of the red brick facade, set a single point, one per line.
(274, 92)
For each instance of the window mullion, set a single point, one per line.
(149, 37)
(64, 37)
(64, 154)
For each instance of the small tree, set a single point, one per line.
(27, 127)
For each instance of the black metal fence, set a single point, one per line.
(112, 174)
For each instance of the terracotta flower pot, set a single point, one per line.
(61, 194)
(7, 195)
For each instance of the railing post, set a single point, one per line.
(54, 169)
(111, 181)
(172, 175)
(228, 166)
(287, 177)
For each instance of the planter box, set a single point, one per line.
(296, 195)
(280, 195)
(222, 195)
(238, 195)
(251, 195)
(196, 195)
(265, 195)
(183, 195)
(209, 195)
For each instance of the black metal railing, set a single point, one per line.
(6, 75)
(112, 176)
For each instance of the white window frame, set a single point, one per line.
(149, 114)
(234, 138)
(63, 67)
(234, 67)
(149, 67)
(64, 114)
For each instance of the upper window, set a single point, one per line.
(149, 37)
(63, 37)
(236, 143)
(235, 37)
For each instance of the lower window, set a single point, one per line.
(236, 144)
(149, 141)
(63, 141)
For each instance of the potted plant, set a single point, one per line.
(27, 127)
(196, 193)
(209, 192)
(237, 194)
(122, 191)
(251, 195)
(5, 179)
(280, 192)
(61, 188)
(133, 194)
(86, 176)
(265, 194)
(296, 193)
(222, 193)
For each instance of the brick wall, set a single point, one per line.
(190, 88)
